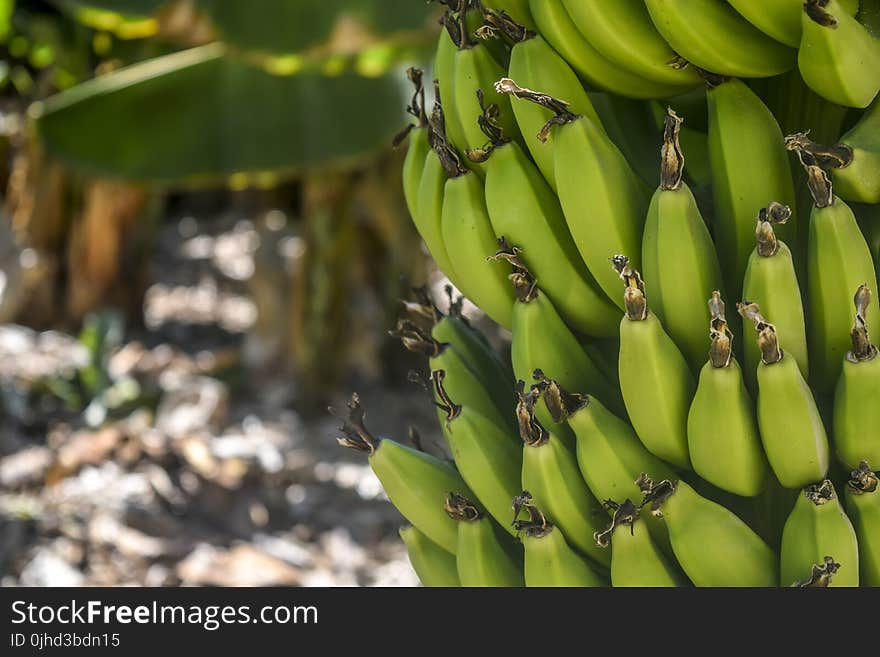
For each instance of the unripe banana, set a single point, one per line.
(596, 70)
(838, 261)
(429, 200)
(655, 380)
(542, 340)
(602, 198)
(791, 428)
(750, 169)
(678, 256)
(488, 456)
(419, 145)
(473, 91)
(838, 58)
(857, 398)
(484, 557)
(711, 35)
(781, 19)
(863, 506)
(713, 546)
(771, 282)
(471, 343)
(635, 560)
(444, 76)
(818, 527)
(622, 31)
(609, 454)
(533, 62)
(518, 10)
(415, 482)
(550, 474)
(859, 180)
(549, 560)
(434, 565)
(469, 239)
(488, 397)
(524, 210)
(723, 439)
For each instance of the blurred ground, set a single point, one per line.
(205, 472)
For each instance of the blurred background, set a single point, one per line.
(203, 244)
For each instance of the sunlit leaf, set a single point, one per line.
(199, 115)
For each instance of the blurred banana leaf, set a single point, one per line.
(291, 26)
(201, 115)
(270, 26)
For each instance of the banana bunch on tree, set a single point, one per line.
(642, 434)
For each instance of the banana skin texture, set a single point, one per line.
(723, 438)
(484, 556)
(655, 379)
(838, 58)
(863, 507)
(713, 546)
(435, 566)
(415, 482)
(549, 560)
(713, 36)
(818, 527)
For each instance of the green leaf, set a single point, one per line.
(199, 115)
(129, 8)
(291, 26)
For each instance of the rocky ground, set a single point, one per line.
(196, 468)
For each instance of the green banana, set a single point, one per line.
(483, 556)
(635, 560)
(549, 561)
(550, 474)
(678, 256)
(533, 62)
(632, 126)
(838, 58)
(750, 168)
(781, 19)
(473, 91)
(444, 76)
(713, 36)
(791, 428)
(419, 144)
(518, 10)
(524, 210)
(713, 546)
(487, 455)
(429, 199)
(542, 340)
(771, 282)
(415, 482)
(471, 343)
(434, 565)
(723, 439)
(597, 71)
(857, 398)
(602, 198)
(838, 261)
(622, 32)
(816, 527)
(655, 380)
(863, 506)
(859, 179)
(488, 397)
(609, 454)
(469, 239)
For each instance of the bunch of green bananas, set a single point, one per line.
(629, 441)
